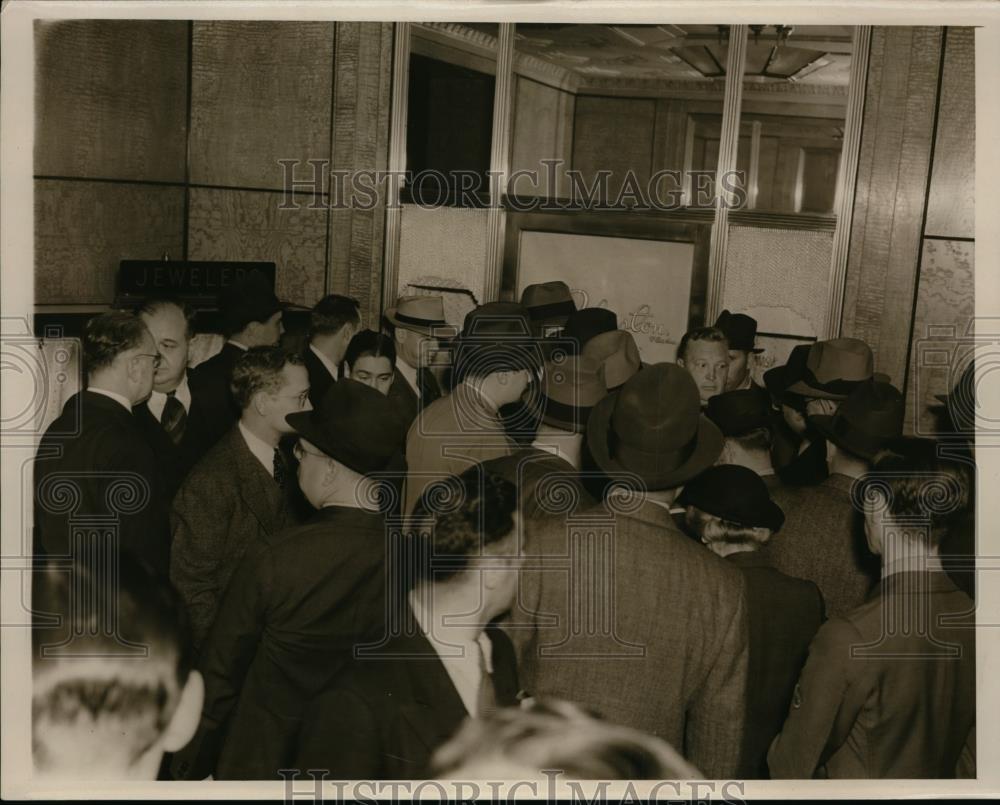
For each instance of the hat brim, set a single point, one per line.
(772, 516)
(824, 424)
(304, 425)
(708, 447)
(390, 316)
(803, 389)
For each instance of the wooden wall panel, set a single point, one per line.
(543, 129)
(247, 225)
(951, 205)
(890, 196)
(945, 299)
(260, 92)
(360, 143)
(111, 99)
(83, 229)
(614, 134)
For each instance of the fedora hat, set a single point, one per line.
(548, 303)
(778, 379)
(616, 353)
(418, 313)
(833, 369)
(734, 493)
(869, 420)
(740, 330)
(653, 428)
(569, 391)
(497, 335)
(354, 424)
(741, 411)
(251, 298)
(588, 322)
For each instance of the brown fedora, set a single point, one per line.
(569, 391)
(835, 368)
(548, 304)
(870, 419)
(617, 355)
(653, 428)
(419, 313)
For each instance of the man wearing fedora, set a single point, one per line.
(704, 353)
(569, 391)
(412, 321)
(549, 306)
(296, 609)
(585, 323)
(822, 539)
(741, 333)
(728, 508)
(251, 316)
(494, 361)
(332, 324)
(617, 355)
(672, 658)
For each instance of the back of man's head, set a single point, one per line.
(332, 313)
(112, 687)
(109, 335)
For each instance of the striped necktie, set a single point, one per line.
(174, 417)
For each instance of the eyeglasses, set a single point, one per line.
(300, 451)
(157, 358)
(302, 398)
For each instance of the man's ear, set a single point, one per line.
(187, 716)
(680, 362)
(260, 403)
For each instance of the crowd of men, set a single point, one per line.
(387, 553)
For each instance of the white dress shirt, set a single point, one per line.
(158, 400)
(325, 361)
(244, 347)
(261, 449)
(113, 395)
(459, 658)
(410, 375)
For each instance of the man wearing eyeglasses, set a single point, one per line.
(237, 497)
(96, 482)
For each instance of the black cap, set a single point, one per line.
(734, 493)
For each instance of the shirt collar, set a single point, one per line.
(244, 347)
(113, 395)
(330, 367)
(261, 449)
(445, 646)
(158, 399)
(410, 375)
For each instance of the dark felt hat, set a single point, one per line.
(741, 411)
(653, 428)
(868, 421)
(778, 379)
(617, 354)
(588, 322)
(496, 336)
(250, 299)
(834, 368)
(569, 391)
(740, 330)
(548, 303)
(734, 493)
(354, 424)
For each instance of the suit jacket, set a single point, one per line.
(385, 717)
(823, 541)
(404, 397)
(209, 380)
(889, 689)
(288, 624)
(175, 461)
(547, 484)
(228, 505)
(450, 435)
(785, 614)
(807, 468)
(320, 378)
(672, 657)
(96, 446)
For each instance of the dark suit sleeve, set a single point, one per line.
(201, 519)
(145, 533)
(824, 707)
(228, 653)
(340, 735)
(714, 729)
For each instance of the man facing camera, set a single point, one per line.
(95, 457)
(741, 333)
(236, 498)
(296, 609)
(704, 352)
(108, 704)
(403, 699)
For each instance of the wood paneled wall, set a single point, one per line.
(161, 137)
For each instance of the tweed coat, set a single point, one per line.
(889, 688)
(664, 648)
(228, 504)
(823, 541)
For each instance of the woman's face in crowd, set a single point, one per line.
(374, 371)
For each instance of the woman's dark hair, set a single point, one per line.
(368, 343)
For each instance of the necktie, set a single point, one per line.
(279, 468)
(174, 418)
(486, 697)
